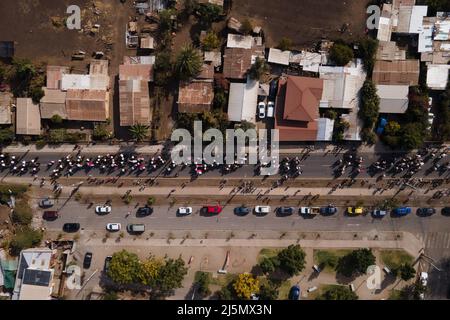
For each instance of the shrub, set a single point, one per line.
(341, 54)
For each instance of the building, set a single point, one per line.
(393, 98)
(34, 280)
(239, 41)
(134, 77)
(400, 72)
(147, 42)
(28, 117)
(53, 103)
(237, 62)
(195, 96)
(310, 61)
(213, 57)
(389, 51)
(55, 75)
(410, 19)
(216, 2)
(5, 107)
(87, 105)
(6, 49)
(279, 57)
(437, 76)
(243, 101)
(297, 108)
(385, 23)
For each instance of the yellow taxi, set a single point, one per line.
(355, 211)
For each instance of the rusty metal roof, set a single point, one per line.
(87, 105)
(400, 72)
(134, 102)
(195, 96)
(237, 62)
(54, 76)
(28, 117)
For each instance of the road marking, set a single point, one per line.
(353, 225)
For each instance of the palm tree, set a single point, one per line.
(139, 132)
(189, 63)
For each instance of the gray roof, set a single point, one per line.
(37, 277)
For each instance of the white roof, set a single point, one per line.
(75, 81)
(393, 98)
(426, 39)
(243, 101)
(325, 129)
(279, 57)
(239, 41)
(442, 30)
(416, 23)
(437, 76)
(310, 61)
(384, 29)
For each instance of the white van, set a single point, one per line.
(270, 109)
(136, 228)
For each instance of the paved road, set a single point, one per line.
(316, 165)
(165, 218)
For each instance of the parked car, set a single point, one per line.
(424, 278)
(113, 227)
(241, 211)
(213, 209)
(103, 209)
(71, 227)
(285, 211)
(402, 211)
(377, 213)
(426, 211)
(262, 110)
(136, 228)
(144, 212)
(50, 215)
(355, 211)
(430, 118)
(328, 210)
(185, 211)
(107, 263)
(46, 203)
(270, 109)
(294, 293)
(87, 260)
(446, 211)
(305, 211)
(262, 210)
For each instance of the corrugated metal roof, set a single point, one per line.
(237, 62)
(195, 97)
(54, 76)
(393, 98)
(134, 102)
(384, 29)
(28, 117)
(402, 72)
(99, 67)
(243, 101)
(279, 57)
(5, 107)
(76, 82)
(87, 105)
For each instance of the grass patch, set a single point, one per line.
(222, 280)
(267, 253)
(283, 292)
(395, 258)
(395, 295)
(328, 259)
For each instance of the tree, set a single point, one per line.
(392, 128)
(246, 27)
(110, 295)
(139, 132)
(269, 291)
(368, 136)
(211, 41)
(36, 94)
(341, 54)
(56, 136)
(170, 276)
(25, 237)
(370, 104)
(220, 99)
(149, 271)
(6, 136)
(208, 13)
(356, 262)
(203, 283)
(269, 265)
(101, 132)
(163, 67)
(188, 63)
(292, 259)
(331, 114)
(338, 293)
(285, 44)
(124, 268)
(367, 50)
(246, 285)
(412, 136)
(258, 69)
(56, 119)
(22, 213)
(406, 272)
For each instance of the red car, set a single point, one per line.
(213, 209)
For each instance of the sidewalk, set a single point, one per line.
(91, 149)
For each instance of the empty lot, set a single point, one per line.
(304, 21)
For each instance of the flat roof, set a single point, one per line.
(393, 98)
(76, 81)
(5, 107)
(239, 41)
(279, 57)
(243, 101)
(325, 128)
(437, 76)
(28, 117)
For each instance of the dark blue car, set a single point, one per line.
(402, 211)
(294, 294)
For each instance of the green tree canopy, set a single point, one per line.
(258, 69)
(25, 237)
(211, 41)
(406, 272)
(246, 27)
(285, 44)
(56, 119)
(292, 259)
(269, 264)
(203, 283)
(246, 285)
(355, 262)
(208, 13)
(170, 276)
(22, 213)
(139, 132)
(57, 136)
(337, 292)
(367, 51)
(269, 291)
(370, 105)
(6, 136)
(188, 63)
(124, 268)
(341, 54)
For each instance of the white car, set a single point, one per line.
(185, 211)
(305, 211)
(430, 102)
(271, 109)
(262, 209)
(262, 110)
(113, 227)
(430, 118)
(103, 209)
(424, 278)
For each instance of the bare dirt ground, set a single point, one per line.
(304, 21)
